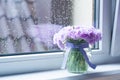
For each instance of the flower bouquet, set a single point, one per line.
(74, 39)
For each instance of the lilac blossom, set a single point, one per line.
(87, 33)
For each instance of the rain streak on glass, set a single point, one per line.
(29, 25)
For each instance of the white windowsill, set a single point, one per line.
(102, 70)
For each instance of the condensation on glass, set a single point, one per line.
(17, 16)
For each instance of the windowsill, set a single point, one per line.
(102, 70)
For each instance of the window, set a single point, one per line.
(20, 53)
(18, 17)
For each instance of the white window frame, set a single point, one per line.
(115, 51)
(49, 61)
(102, 56)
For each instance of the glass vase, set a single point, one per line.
(76, 62)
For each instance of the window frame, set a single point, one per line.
(49, 61)
(102, 56)
(115, 36)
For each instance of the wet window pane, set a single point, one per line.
(18, 17)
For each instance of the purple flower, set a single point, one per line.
(86, 33)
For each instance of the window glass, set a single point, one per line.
(23, 21)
